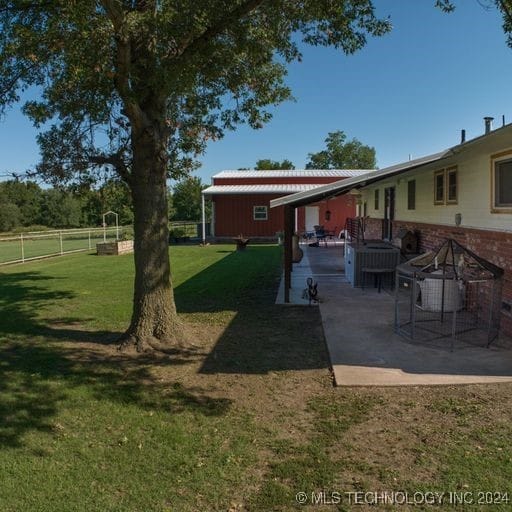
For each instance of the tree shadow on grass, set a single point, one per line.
(262, 337)
(38, 372)
(36, 380)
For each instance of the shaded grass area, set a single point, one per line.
(243, 420)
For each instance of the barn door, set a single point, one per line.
(312, 217)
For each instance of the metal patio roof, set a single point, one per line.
(343, 186)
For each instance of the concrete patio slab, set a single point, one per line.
(365, 351)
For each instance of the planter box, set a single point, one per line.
(114, 248)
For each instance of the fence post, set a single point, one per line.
(89, 233)
(22, 249)
(60, 239)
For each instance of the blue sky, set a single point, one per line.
(407, 93)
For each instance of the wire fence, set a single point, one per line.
(34, 245)
(185, 227)
(44, 244)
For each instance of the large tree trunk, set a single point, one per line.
(155, 323)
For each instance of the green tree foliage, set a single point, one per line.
(26, 196)
(186, 199)
(114, 195)
(9, 214)
(142, 86)
(60, 209)
(342, 154)
(273, 165)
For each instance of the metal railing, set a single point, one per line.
(44, 244)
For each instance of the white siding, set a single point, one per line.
(474, 192)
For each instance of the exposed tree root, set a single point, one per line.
(179, 341)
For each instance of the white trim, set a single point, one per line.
(254, 213)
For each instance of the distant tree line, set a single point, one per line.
(26, 204)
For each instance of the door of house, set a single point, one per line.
(312, 217)
(389, 213)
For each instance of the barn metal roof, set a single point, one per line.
(293, 173)
(278, 188)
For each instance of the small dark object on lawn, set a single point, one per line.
(241, 242)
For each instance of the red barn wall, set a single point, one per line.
(234, 215)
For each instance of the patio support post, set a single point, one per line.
(203, 219)
(288, 234)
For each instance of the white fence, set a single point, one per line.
(43, 244)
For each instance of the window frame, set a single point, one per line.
(376, 199)
(443, 174)
(265, 212)
(452, 171)
(505, 156)
(409, 196)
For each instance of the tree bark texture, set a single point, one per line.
(155, 323)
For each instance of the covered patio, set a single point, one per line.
(359, 331)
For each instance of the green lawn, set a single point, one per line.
(242, 420)
(42, 245)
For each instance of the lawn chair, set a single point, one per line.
(320, 234)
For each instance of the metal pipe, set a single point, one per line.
(203, 218)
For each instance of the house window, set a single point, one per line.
(411, 195)
(451, 185)
(260, 213)
(365, 209)
(439, 187)
(502, 186)
(376, 200)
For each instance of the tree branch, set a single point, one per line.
(123, 60)
(116, 161)
(191, 43)
(12, 82)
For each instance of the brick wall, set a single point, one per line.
(495, 246)
(372, 228)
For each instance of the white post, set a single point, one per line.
(61, 247)
(203, 215)
(117, 226)
(22, 249)
(89, 233)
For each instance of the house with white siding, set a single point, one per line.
(463, 192)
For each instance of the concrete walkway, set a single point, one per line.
(365, 351)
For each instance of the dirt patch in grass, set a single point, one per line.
(273, 366)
